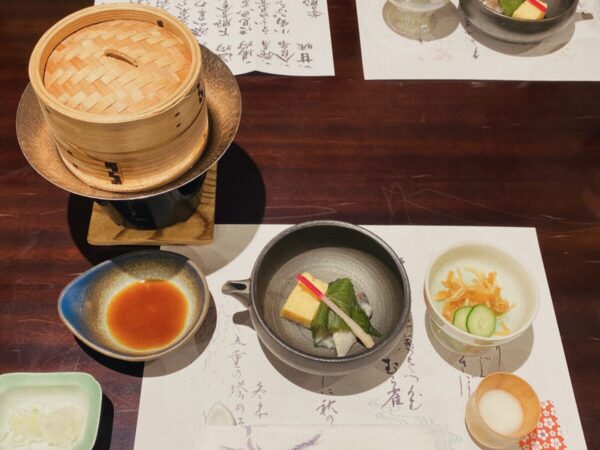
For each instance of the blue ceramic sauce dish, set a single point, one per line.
(87, 304)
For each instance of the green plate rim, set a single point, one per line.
(83, 379)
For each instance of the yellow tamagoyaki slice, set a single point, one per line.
(301, 305)
(531, 10)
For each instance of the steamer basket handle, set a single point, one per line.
(111, 52)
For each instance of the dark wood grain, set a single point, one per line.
(377, 152)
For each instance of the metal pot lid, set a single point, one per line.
(224, 111)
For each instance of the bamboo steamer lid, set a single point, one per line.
(121, 89)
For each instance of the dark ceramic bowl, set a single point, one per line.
(328, 250)
(83, 303)
(519, 31)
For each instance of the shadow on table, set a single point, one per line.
(228, 243)
(240, 189)
(79, 213)
(506, 358)
(351, 384)
(240, 200)
(134, 369)
(106, 425)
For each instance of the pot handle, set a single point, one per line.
(239, 289)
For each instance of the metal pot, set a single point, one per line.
(518, 31)
(328, 250)
(158, 211)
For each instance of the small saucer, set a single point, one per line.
(84, 303)
(224, 111)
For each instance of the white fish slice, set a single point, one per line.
(344, 340)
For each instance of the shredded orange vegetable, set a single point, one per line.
(481, 290)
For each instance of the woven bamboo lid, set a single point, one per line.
(117, 66)
(121, 89)
(115, 63)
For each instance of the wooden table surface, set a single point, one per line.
(372, 152)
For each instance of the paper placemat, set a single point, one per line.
(343, 437)
(282, 37)
(464, 53)
(419, 384)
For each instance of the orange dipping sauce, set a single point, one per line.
(147, 314)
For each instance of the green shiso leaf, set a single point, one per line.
(342, 293)
(510, 6)
(319, 325)
(361, 318)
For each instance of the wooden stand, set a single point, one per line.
(197, 230)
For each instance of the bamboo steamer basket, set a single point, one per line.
(120, 87)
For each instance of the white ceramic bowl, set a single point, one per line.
(515, 280)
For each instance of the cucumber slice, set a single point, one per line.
(460, 317)
(481, 321)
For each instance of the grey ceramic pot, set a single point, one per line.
(328, 250)
(517, 31)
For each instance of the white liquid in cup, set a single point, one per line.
(501, 411)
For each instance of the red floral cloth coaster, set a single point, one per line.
(547, 433)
